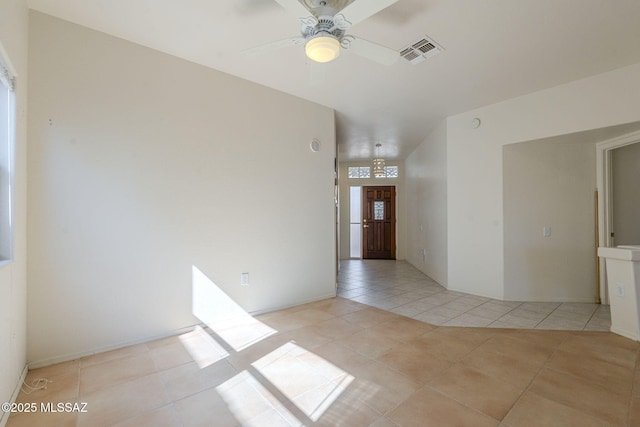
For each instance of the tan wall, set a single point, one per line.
(143, 166)
(549, 184)
(427, 205)
(13, 280)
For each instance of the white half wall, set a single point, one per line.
(143, 166)
(13, 278)
(475, 170)
(550, 184)
(426, 180)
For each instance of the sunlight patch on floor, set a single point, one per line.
(227, 319)
(306, 379)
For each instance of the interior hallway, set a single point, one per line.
(399, 287)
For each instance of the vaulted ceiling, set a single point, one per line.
(493, 50)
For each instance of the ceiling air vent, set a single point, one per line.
(420, 50)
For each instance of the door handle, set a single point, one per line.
(365, 226)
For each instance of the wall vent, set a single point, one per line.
(420, 50)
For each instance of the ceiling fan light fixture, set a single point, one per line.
(323, 48)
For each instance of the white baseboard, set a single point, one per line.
(627, 334)
(74, 356)
(78, 355)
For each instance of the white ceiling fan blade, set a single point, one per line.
(373, 51)
(360, 10)
(272, 46)
(294, 8)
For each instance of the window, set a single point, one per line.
(7, 107)
(391, 171)
(359, 172)
(365, 172)
(355, 226)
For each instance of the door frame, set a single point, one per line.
(394, 226)
(605, 192)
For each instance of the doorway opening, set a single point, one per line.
(606, 231)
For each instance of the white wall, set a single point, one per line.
(13, 284)
(474, 162)
(345, 206)
(550, 184)
(143, 165)
(426, 180)
(626, 194)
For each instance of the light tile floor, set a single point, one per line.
(342, 363)
(399, 287)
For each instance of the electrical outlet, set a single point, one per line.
(244, 279)
(619, 290)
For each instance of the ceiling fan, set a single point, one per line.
(323, 29)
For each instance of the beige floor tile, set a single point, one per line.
(337, 306)
(609, 375)
(341, 356)
(133, 350)
(476, 390)
(530, 351)
(486, 313)
(431, 319)
(243, 359)
(383, 422)
(170, 356)
(307, 337)
(287, 370)
(186, 380)
(347, 410)
(634, 412)
(402, 329)
(370, 343)
(417, 365)
(53, 371)
(582, 395)
(206, 409)
(559, 323)
(549, 340)
(123, 401)
(449, 343)
(427, 408)
(535, 411)
(636, 382)
(335, 328)
(63, 387)
(469, 320)
(604, 346)
(381, 387)
(164, 417)
(246, 395)
(369, 317)
(43, 419)
(116, 371)
(511, 369)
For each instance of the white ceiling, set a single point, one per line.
(494, 50)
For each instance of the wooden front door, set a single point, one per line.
(379, 222)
